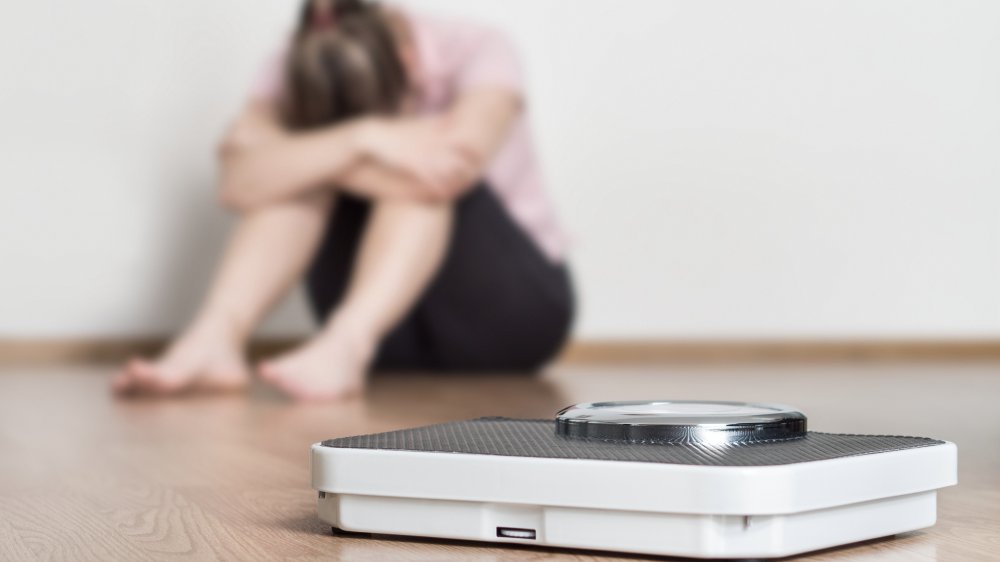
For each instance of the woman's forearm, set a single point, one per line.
(437, 159)
(371, 180)
(290, 166)
(372, 157)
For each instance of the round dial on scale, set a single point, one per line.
(681, 421)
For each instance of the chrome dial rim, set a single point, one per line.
(681, 421)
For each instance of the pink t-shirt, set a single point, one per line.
(456, 56)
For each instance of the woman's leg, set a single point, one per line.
(499, 303)
(267, 254)
(403, 246)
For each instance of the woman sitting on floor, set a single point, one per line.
(389, 150)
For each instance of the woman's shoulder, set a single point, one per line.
(446, 24)
(456, 34)
(458, 47)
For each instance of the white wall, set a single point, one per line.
(760, 169)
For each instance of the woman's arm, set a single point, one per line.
(481, 121)
(475, 128)
(426, 158)
(262, 163)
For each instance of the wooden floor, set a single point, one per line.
(84, 476)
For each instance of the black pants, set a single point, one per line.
(496, 304)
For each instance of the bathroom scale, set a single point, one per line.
(679, 478)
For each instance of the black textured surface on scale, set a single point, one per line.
(538, 439)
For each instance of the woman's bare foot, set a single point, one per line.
(331, 366)
(205, 357)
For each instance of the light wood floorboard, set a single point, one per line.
(84, 476)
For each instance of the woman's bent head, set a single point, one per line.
(344, 62)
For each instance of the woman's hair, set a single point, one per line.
(343, 62)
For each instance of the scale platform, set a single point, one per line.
(678, 478)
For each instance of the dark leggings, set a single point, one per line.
(496, 304)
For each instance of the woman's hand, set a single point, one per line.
(245, 151)
(262, 162)
(254, 128)
(423, 148)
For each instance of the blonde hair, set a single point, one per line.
(344, 62)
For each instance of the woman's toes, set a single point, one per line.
(215, 365)
(130, 379)
(150, 378)
(143, 372)
(121, 382)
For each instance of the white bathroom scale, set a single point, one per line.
(678, 478)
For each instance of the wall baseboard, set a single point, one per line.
(45, 352)
(644, 352)
(30, 351)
